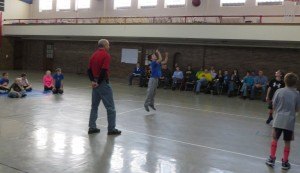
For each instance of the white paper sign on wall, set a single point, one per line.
(130, 56)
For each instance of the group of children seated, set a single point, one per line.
(21, 84)
(208, 81)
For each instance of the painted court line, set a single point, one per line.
(202, 146)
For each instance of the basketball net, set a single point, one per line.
(290, 9)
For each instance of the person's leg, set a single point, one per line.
(288, 137)
(276, 133)
(270, 118)
(96, 99)
(244, 90)
(108, 101)
(263, 93)
(230, 88)
(198, 86)
(13, 94)
(130, 79)
(253, 91)
(154, 93)
(150, 92)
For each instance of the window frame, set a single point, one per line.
(146, 6)
(232, 4)
(67, 9)
(266, 3)
(122, 7)
(43, 10)
(76, 5)
(175, 5)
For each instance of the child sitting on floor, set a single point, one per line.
(4, 82)
(16, 90)
(58, 83)
(26, 85)
(48, 81)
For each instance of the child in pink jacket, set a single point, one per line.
(48, 81)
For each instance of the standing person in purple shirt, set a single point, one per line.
(155, 65)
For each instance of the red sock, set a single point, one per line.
(273, 148)
(286, 154)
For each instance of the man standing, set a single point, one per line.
(98, 73)
(155, 65)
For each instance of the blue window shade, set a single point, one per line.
(27, 1)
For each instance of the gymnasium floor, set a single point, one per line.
(187, 134)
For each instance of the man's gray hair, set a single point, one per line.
(102, 42)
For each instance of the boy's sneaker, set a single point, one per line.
(93, 130)
(147, 108)
(152, 107)
(269, 120)
(286, 165)
(271, 162)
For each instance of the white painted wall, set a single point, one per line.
(208, 7)
(239, 32)
(15, 9)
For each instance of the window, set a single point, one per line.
(147, 3)
(174, 3)
(119, 4)
(269, 2)
(82, 4)
(45, 5)
(63, 5)
(225, 3)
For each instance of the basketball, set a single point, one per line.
(196, 3)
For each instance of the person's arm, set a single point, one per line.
(181, 75)
(275, 100)
(166, 58)
(268, 94)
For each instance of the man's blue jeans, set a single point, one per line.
(255, 89)
(103, 92)
(200, 82)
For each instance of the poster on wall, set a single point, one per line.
(130, 56)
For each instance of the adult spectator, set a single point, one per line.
(177, 77)
(260, 83)
(166, 77)
(202, 79)
(137, 73)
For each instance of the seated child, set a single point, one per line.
(26, 85)
(58, 83)
(4, 82)
(48, 81)
(16, 90)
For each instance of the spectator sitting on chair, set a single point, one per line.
(189, 74)
(16, 90)
(166, 76)
(248, 82)
(218, 82)
(213, 73)
(260, 82)
(202, 79)
(25, 83)
(145, 77)
(4, 82)
(177, 77)
(137, 72)
(234, 82)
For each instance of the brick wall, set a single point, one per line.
(73, 57)
(6, 54)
